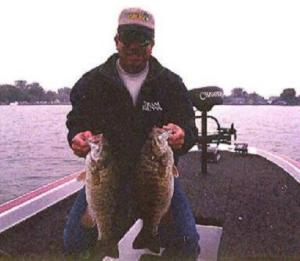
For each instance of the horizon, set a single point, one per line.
(248, 44)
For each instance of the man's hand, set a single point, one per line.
(80, 144)
(176, 138)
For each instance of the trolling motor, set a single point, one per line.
(204, 99)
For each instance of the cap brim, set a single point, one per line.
(138, 28)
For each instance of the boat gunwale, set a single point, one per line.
(292, 167)
(22, 208)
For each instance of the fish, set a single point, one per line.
(153, 187)
(101, 184)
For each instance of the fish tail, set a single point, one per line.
(145, 239)
(109, 249)
(112, 251)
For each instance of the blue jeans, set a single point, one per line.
(179, 237)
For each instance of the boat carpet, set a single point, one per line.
(256, 202)
(39, 237)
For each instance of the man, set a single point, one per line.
(124, 98)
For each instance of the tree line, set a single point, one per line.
(286, 97)
(32, 93)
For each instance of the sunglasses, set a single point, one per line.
(129, 37)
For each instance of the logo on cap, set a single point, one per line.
(138, 16)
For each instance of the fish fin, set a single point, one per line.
(81, 176)
(146, 240)
(167, 218)
(175, 172)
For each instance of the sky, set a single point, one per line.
(251, 44)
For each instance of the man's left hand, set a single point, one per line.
(176, 138)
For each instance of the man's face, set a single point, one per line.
(134, 50)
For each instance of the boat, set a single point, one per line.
(14, 103)
(246, 202)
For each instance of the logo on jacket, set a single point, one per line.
(151, 106)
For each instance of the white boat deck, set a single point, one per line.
(209, 242)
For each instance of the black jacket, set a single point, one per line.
(102, 104)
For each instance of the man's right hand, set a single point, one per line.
(80, 144)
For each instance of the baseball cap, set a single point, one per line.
(138, 20)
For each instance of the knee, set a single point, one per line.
(71, 237)
(69, 241)
(78, 238)
(70, 233)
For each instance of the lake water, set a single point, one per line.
(34, 149)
